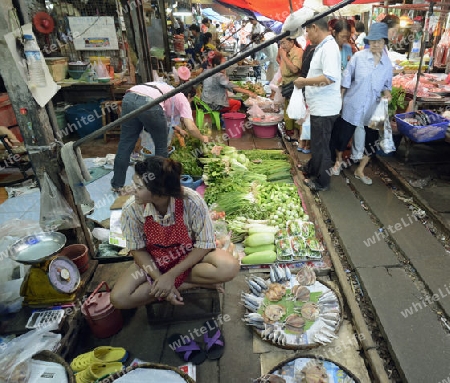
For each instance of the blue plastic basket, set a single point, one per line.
(432, 132)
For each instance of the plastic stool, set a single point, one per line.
(201, 109)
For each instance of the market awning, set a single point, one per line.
(279, 10)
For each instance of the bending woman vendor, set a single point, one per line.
(171, 237)
(156, 121)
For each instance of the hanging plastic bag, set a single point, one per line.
(380, 115)
(386, 140)
(55, 211)
(296, 109)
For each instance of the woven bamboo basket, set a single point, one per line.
(156, 366)
(48, 356)
(313, 358)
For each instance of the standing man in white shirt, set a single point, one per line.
(323, 97)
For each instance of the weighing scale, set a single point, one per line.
(51, 279)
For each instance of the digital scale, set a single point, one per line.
(51, 279)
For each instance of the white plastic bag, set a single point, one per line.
(296, 109)
(101, 70)
(379, 115)
(14, 359)
(306, 128)
(386, 140)
(55, 211)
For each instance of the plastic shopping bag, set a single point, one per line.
(56, 213)
(306, 128)
(386, 140)
(296, 109)
(380, 115)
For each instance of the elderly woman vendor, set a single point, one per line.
(171, 237)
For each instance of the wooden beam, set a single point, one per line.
(34, 126)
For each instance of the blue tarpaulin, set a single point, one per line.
(214, 16)
(275, 26)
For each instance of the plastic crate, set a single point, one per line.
(432, 132)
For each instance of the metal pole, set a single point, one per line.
(203, 76)
(422, 51)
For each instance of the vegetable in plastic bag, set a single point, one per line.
(379, 115)
(296, 109)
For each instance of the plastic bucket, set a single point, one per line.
(234, 124)
(103, 318)
(268, 131)
(84, 118)
(78, 254)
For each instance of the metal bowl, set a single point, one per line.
(36, 248)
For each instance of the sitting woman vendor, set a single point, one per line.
(215, 89)
(171, 237)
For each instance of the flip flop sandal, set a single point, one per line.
(96, 371)
(214, 341)
(189, 352)
(306, 151)
(102, 354)
(364, 179)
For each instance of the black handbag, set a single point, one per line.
(287, 89)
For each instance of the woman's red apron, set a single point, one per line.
(169, 245)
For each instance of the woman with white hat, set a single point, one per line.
(367, 78)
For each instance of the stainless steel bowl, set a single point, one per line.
(36, 248)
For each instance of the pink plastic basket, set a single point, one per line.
(265, 131)
(234, 124)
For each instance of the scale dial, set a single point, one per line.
(64, 275)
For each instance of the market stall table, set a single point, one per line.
(70, 324)
(74, 91)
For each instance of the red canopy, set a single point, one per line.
(273, 9)
(279, 9)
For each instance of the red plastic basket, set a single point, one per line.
(432, 132)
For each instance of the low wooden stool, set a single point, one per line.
(198, 304)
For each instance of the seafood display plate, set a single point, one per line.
(315, 332)
(308, 368)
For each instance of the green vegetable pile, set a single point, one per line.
(255, 185)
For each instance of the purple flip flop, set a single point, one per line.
(187, 349)
(214, 341)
